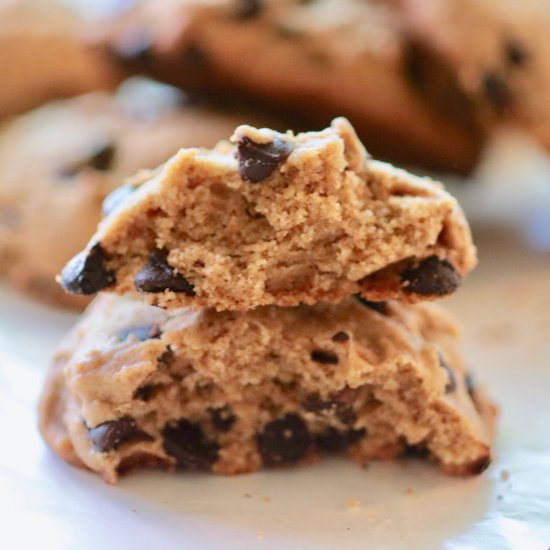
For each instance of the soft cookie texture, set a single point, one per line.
(484, 60)
(317, 59)
(136, 386)
(277, 219)
(42, 58)
(59, 162)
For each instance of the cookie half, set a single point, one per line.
(136, 386)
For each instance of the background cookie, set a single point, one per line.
(57, 164)
(316, 59)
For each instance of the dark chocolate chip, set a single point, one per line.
(141, 333)
(324, 357)
(284, 441)
(86, 272)
(470, 386)
(480, 465)
(146, 392)
(380, 307)
(257, 161)
(334, 440)
(101, 158)
(341, 337)
(247, 9)
(116, 198)
(496, 90)
(186, 442)
(158, 275)
(195, 56)
(112, 434)
(515, 53)
(415, 451)
(450, 386)
(222, 418)
(431, 276)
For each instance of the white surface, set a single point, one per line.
(45, 503)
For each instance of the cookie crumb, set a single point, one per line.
(248, 495)
(409, 491)
(260, 535)
(505, 475)
(266, 499)
(353, 503)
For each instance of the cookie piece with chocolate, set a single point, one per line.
(59, 162)
(234, 392)
(281, 219)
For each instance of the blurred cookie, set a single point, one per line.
(486, 59)
(59, 162)
(316, 59)
(42, 58)
(135, 386)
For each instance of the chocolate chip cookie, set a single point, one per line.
(319, 59)
(42, 58)
(277, 219)
(136, 386)
(59, 162)
(494, 53)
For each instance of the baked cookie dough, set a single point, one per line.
(59, 162)
(494, 53)
(136, 386)
(42, 57)
(318, 59)
(277, 219)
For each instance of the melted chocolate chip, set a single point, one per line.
(146, 392)
(341, 337)
(247, 9)
(112, 434)
(334, 440)
(115, 199)
(257, 161)
(431, 276)
(284, 441)
(141, 333)
(480, 465)
(515, 53)
(380, 307)
(101, 158)
(222, 418)
(496, 90)
(86, 272)
(450, 386)
(186, 442)
(342, 411)
(324, 357)
(158, 275)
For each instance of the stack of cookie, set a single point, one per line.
(263, 303)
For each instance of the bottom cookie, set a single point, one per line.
(136, 386)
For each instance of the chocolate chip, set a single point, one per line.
(146, 392)
(334, 440)
(110, 435)
(141, 333)
(222, 418)
(431, 276)
(247, 9)
(115, 199)
(480, 465)
(284, 440)
(450, 386)
(101, 158)
(186, 442)
(496, 90)
(470, 386)
(515, 53)
(324, 357)
(158, 275)
(341, 337)
(380, 307)
(257, 161)
(195, 56)
(86, 272)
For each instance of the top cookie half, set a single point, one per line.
(276, 219)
